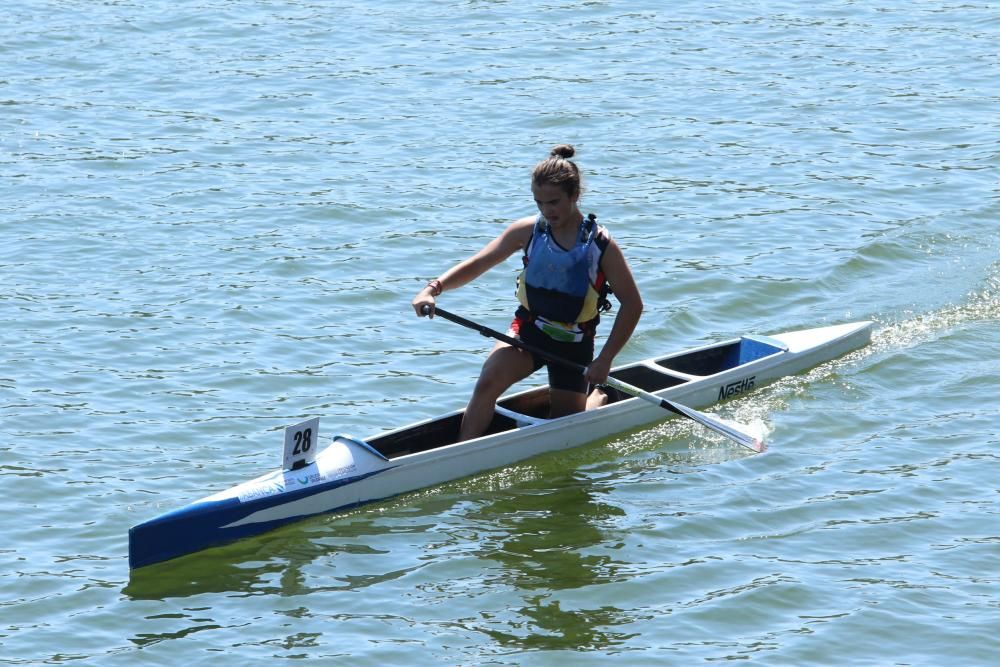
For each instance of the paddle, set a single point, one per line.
(734, 432)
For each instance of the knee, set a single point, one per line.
(597, 398)
(488, 387)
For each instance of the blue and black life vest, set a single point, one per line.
(565, 285)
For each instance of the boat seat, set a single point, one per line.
(652, 365)
(519, 419)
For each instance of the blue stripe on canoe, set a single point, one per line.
(200, 525)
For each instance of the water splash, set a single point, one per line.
(981, 305)
(753, 411)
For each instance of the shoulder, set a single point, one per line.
(527, 222)
(603, 237)
(516, 235)
(611, 252)
(522, 229)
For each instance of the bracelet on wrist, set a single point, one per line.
(436, 287)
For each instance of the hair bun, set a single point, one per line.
(564, 151)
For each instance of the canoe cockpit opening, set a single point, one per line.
(644, 377)
(533, 403)
(532, 406)
(419, 438)
(719, 358)
(523, 409)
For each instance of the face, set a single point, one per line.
(558, 207)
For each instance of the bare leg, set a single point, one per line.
(597, 398)
(505, 366)
(566, 402)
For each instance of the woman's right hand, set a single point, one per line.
(424, 299)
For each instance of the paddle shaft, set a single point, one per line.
(705, 420)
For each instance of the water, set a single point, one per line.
(215, 215)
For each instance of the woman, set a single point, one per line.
(568, 263)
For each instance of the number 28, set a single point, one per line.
(303, 441)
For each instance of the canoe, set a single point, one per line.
(352, 471)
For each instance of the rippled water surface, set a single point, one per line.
(214, 215)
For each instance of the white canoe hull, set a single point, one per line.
(351, 472)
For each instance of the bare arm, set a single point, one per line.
(512, 239)
(617, 271)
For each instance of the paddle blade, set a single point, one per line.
(738, 433)
(753, 432)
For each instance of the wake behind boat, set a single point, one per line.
(350, 472)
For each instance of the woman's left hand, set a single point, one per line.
(597, 371)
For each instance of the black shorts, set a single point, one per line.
(560, 376)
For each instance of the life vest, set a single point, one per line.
(565, 287)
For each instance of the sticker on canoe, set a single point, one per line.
(253, 491)
(737, 388)
(290, 480)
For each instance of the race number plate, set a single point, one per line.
(301, 443)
